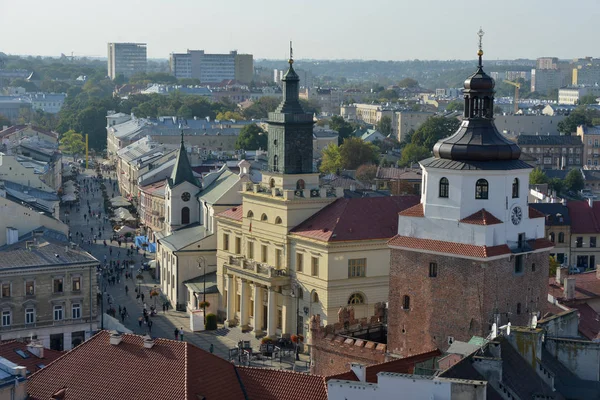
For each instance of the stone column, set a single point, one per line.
(272, 307)
(258, 306)
(67, 341)
(230, 306)
(243, 303)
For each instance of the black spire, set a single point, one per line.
(182, 172)
(477, 139)
(291, 87)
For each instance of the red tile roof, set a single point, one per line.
(481, 217)
(583, 217)
(587, 286)
(414, 211)
(271, 384)
(16, 128)
(365, 218)
(170, 370)
(533, 213)
(589, 321)
(236, 213)
(461, 249)
(9, 349)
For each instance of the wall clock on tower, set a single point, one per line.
(185, 196)
(516, 215)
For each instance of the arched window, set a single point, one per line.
(277, 221)
(272, 183)
(300, 293)
(356, 298)
(185, 215)
(481, 189)
(518, 308)
(275, 163)
(552, 237)
(315, 297)
(515, 189)
(263, 217)
(444, 187)
(300, 184)
(561, 237)
(250, 214)
(406, 302)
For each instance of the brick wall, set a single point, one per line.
(460, 301)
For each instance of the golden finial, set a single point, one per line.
(291, 60)
(480, 51)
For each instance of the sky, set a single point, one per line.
(320, 29)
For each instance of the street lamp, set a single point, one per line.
(202, 266)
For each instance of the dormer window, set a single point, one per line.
(515, 188)
(444, 188)
(481, 189)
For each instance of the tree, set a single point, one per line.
(434, 129)
(72, 142)
(455, 105)
(332, 159)
(580, 116)
(412, 153)
(553, 265)
(310, 106)
(251, 137)
(388, 94)
(385, 125)
(574, 180)
(229, 115)
(537, 177)
(366, 172)
(588, 99)
(342, 127)
(356, 152)
(557, 184)
(408, 83)
(261, 107)
(4, 121)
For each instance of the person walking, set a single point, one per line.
(140, 320)
(212, 348)
(149, 326)
(176, 334)
(181, 334)
(126, 291)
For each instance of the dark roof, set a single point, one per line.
(16, 352)
(546, 140)
(399, 173)
(589, 323)
(434, 162)
(182, 172)
(567, 383)
(47, 252)
(366, 218)
(553, 213)
(464, 370)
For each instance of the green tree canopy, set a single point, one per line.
(366, 172)
(388, 94)
(229, 115)
(342, 127)
(310, 106)
(261, 107)
(331, 162)
(557, 184)
(356, 152)
(408, 83)
(412, 153)
(574, 180)
(434, 129)
(455, 105)
(588, 99)
(385, 125)
(537, 177)
(72, 142)
(580, 116)
(251, 137)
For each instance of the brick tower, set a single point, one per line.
(472, 252)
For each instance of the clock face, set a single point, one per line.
(185, 196)
(516, 215)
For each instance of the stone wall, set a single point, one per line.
(461, 301)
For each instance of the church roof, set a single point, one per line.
(414, 211)
(182, 172)
(439, 246)
(435, 162)
(481, 217)
(219, 187)
(184, 237)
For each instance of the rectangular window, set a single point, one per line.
(315, 266)
(29, 316)
(433, 270)
(579, 241)
(278, 258)
(251, 250)
(58, 313)
(593, 241)
(225, 242)
(279, 319)
(6, 289)
(76, 311)
(263, 253)
(225, 298)
(299, 262)
(30, 288)
(518, 264)
(238, 301)
(58, 285)
(5, 318)
(357, 268)
(76, 284)
(251, 308)
(238, 245)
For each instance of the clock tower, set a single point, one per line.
(472, 253)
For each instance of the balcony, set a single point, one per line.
(256, 271)
(48, 323)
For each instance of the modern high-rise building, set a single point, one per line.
(126, 59)
(212, 68)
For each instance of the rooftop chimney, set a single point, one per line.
(569, 288)
(35, 348)
(360, 371)
(115, 338)
(148, 342)
(591, 202)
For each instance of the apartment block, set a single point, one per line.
(212, 68)
(126, 59)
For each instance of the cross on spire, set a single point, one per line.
(480, 51)
(291, 60)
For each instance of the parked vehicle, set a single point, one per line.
(574, 270)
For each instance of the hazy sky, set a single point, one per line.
(320, 29)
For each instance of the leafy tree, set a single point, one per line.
(261, 107)
(4, 121)
(588, 99)
(120, 79)
(388, 94)
(189, 82)
(153, 77)
(537, 177)
(553, 265)
(434, 129)
(385, 125)
(408, 83)
(355, 152)
(558, 185)
(498, 110)
(310, 106)
(29, 86)
(229, 115)
(342, 127)
(332, 159)
(366, 172)
(72, 142)
(455, 105)
(574, 180)
(580, 116)
(251, 137)
(387, 144)
(412, 153)
(38, 118)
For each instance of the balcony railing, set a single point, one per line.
(256, 267)
(47, 323)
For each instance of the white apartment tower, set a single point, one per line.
(126, 59)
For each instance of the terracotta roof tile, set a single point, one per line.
(365, 218)
(589, 323)
(170, 370)
(583, 218)
(414, 211)
(271, 384)
(467, 250)
(533, 213)
(481, 217)
(399, 174)
(9, 349)
(236, 213)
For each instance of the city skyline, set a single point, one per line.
(387, 30)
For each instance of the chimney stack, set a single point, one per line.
(569, 288)
(360, 371)
(35, 348)
(115, 338)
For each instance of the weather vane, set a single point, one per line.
(480, 51)
(291, 61)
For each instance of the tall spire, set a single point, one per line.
(182, 172)
(291, 60)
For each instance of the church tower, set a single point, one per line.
(181, 207)
(472, 253)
